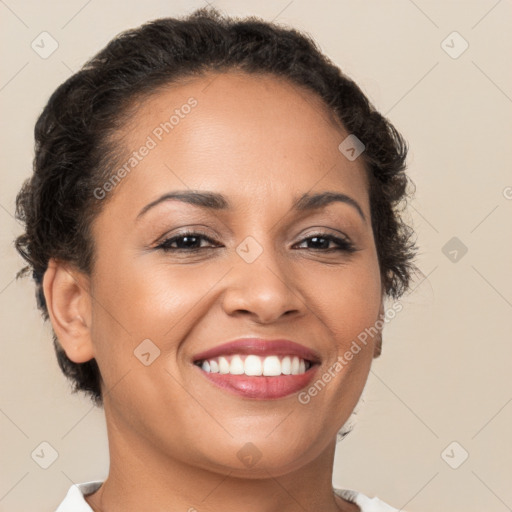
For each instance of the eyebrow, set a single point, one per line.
(215, 201)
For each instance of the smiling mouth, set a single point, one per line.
(252, 365)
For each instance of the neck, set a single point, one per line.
(143, 477)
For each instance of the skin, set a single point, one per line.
(174, 436)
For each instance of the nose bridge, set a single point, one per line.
(260, 282)
(262, 263)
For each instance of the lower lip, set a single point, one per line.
(261, 388)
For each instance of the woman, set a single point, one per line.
(213, 229)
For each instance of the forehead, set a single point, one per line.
(253, 137)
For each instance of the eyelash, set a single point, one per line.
(343, 245)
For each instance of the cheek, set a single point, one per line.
(138, 300)
(347, 298)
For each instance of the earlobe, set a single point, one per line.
(377, 345)
(68, 300)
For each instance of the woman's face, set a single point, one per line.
(254, 270)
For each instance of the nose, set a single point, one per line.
(265, 290)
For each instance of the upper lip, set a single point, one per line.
(259, 346)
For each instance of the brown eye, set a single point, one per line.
(322, 241)
(190, 241)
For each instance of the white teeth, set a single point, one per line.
(252, 366)
(272, 366)
(295, 365)
(237, 366)
(255, 366)
(214, 366)
(223, 365)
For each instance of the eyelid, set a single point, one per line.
(193, 230)
(190, 230)
(342, 242)
(325, 230)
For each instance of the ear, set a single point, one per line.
(68, 300)
(377, 346)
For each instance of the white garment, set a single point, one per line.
(75, 502)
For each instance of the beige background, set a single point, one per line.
(444, 374)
